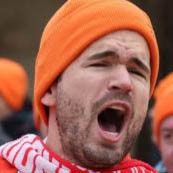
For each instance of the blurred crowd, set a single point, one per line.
(15, 106)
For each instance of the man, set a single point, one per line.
(163, 123)
(13, 91)
(95, 71)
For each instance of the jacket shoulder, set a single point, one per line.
(6, 167)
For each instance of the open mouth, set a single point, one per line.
(112, 119)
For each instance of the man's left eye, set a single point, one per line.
(136, 72)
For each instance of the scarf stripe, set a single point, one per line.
(29, 154)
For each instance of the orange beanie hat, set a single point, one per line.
(77, 25)
(13, 83)
(163, 86)
(163, 103)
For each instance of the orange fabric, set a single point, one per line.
(13, 83)
(5, 167)
(75, 26)
(163, 85)
(163, 107)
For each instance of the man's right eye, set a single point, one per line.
(168, 137)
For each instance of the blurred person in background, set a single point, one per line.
(15, 108)
(163, 123)
(95, 72)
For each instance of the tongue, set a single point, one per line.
(109, 127)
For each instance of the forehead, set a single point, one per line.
(123, 41)
(167, 123)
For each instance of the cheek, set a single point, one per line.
(167, 155)
(140, 104)
(166, 152)
(141, 98)
(85, 85)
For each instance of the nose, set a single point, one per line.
(120, 79)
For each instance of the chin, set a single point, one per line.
(102, 157)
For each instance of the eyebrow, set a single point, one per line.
(103, 54)
(110, 53)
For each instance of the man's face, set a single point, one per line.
(102, 100)
(166, 143)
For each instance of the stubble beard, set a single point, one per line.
(74, 138)
(82, 153)
(105, 156)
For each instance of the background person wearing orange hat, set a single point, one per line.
(163, 123)
(95, 71)
(13, 86)
(13, 101)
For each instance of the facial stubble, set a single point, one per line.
(75, 138)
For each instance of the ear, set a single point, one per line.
(49, 98)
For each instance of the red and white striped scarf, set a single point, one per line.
(30, 154)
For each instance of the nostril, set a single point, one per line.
(113, 86)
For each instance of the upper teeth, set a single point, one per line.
(118, 108)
